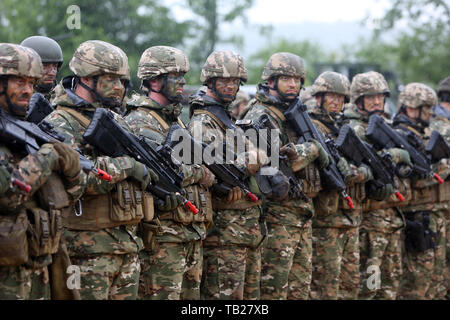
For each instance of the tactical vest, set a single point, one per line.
(197, 194)
(310, 174)
(125, 204)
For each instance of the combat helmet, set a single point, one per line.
(334, 82)
(160, 60)
(444, 87)
(47, 48)
(284, 63)
(16, 60)
(96, 57)
(368, 83)
(415, 95)
(223, 64)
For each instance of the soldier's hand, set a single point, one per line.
(323, 158)
(255, 161)
(143, 174)
(207, 179)
(5, 179)
(172, 201)
(289, 151)
(345, 169)
(400, 156)
(69, 160)
(235, 194)
(383, 192)
(279, 184)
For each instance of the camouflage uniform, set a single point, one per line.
(29, 225)
(382, 224)
(423, 271)
(172, 262)
(102, 240)
(236, 236)
(287, 255)
(335, 225)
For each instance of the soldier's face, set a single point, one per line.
(227, 88)
(289, 85)
(110, 86)
(50, 71)
(374, 102)
(423, 111)
(332, 102)
(19, 91)
(174, 86)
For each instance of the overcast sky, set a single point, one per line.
(293, 11)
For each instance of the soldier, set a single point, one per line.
(52, 59)
(423, 267)
(287, 256)
(232, 257)
(30, 225)
(381, 226)
(335, 225)
(172, 261)
(101, 232)
(443, 109)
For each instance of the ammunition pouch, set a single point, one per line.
(124, 205)
(311, 181)
(149, 232)
(44, 231)
(423, 193)
(358, 194)
(418, 236)
(444, 191)
(13, 239)
(326, 203)
(201, 198)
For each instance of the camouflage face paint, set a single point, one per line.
(110, 86)
(333, 102)
(19, 91)
(173, 89)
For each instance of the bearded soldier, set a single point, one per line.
(287, 256)
(335, 225)
(172, 261)
(424, 266)
(232, 257)
(101, 232)
(30, 230)
(381, 226)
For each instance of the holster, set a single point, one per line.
(418, 236)
(311, 181)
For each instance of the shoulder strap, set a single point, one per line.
(162, 122)
(323, 126)
(277, 112)
(203, 111)
(84, 121)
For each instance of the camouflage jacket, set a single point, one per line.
(331, 209)
(382, 220)
(144, 124)
(231, 226)
(115, 240)
(292, 212)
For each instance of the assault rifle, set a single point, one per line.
(437, 148)
(106, 135)
(359, 151)
(264, 122)
(39, 108)
(383, 136)
(300, 121)
(32, 136)
(228, 174)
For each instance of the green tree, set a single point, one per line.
(132, 25)
(212, 14)
(309, 51)
(421, 49)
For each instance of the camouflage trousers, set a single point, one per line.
(424, 272)
(380, 264)
(287, 262)
(335, 264)
(108, 276)
(447, 252)
(231, 272)
(24, 283)
(172, 270)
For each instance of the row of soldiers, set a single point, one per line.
(124, 242)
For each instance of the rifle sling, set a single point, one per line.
(162, 122)
(219, 115)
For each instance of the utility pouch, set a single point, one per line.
(149, 233)
(126, 202)
(13, 239)
(44, 232)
